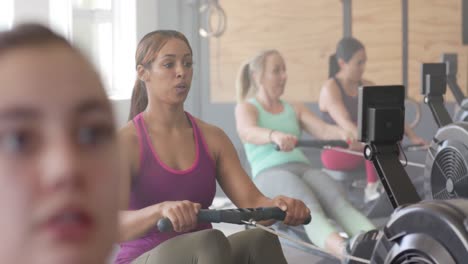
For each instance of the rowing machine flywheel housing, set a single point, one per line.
(430, 232)
(446, 172)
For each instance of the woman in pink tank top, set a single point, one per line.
(174, 163)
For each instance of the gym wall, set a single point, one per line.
(306, 33)
(435, 27)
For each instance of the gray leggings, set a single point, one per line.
(253, 246)
(324, 197)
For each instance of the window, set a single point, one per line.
(6, 14)
(105, 30)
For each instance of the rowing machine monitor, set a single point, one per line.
(451, 62)
(381, 117)
(433, 87)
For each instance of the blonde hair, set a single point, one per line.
(245, 85)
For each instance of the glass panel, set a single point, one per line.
(6, 14)
(105, 51)
(95, 40)
(124, 49)
(108, 38)
(93, 4)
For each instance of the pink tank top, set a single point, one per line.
(156, 183)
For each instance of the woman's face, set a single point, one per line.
(354, 68)
(58, 159)
(171, 72)
(274, 76)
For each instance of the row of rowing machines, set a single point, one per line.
(434, 230)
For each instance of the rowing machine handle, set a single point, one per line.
(232, 216)
(319, 144)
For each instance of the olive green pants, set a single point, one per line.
(253, 246)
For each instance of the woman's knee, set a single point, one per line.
(206, 246)
(259, 239)
(211, 239)
(212, 247)
(256, 246)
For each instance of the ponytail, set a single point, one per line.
(146, 52)
(345, 50)
(139, 100)
(243, 82)
(333, 67)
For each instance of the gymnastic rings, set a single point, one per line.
(209, 10)
(417, 107)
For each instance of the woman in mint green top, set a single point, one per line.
(264, 156)
(264, 119)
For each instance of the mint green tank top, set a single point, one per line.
(265, 156)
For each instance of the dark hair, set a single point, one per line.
(146, 52)
(29, 35)
(345, 49)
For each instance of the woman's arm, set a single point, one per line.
(132, 223)
(135, 223)
(247, 128)
(239, 187)
(317, 127)
(250, 132)
(331, 101)
(415, 139)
